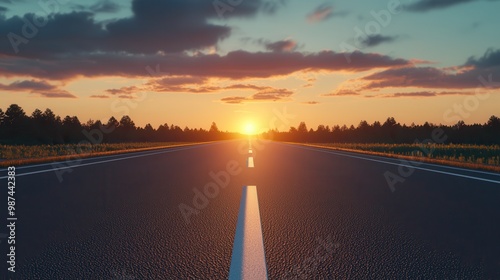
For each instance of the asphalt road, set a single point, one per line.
(324, 215)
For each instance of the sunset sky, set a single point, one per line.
(234, 62)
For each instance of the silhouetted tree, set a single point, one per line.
(47, 128)
(302, 132)
(72, 129)
(214, 132)
(17, 124)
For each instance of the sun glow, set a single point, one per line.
(249, 129)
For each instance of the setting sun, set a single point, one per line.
(249, 129)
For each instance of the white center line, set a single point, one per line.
(250, 162)
(248, 260)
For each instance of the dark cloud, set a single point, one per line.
(155, 26)
(159, 33)
(3, 9)
(490, 59)
(374, 40)
(265, 95)
(28, 85)
(428, 77)
(105, 6)
(234, 65)
(36, 87)
(6, 1)
(482, 72)
(282, 46)
(285, 45)
(427, 5)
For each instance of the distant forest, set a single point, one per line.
(16, 127)
(392, 132)
(46, 128)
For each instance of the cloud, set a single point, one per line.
(426, 94)
(427, 5)
(234, 100)
(282, 46)
(105, 6)
(323, 12)
(169, 33)
(155, 26)
(266, 94)
(490, 59)
(41, 88)
(474, 73)
(310, 102)
(124, 92)
(234, 65)
(374, 40)
(3, 9)
(198, 85)
(180, 84)
(285, 45)
(99, 96)
(342, 92)
(56, 94)
(31, 85)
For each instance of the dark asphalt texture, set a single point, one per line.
(325, 215)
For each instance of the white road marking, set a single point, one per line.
(400, 164)
(421, 163)
(250, 162)
(250, 151)
(248, 260)
(76, 165)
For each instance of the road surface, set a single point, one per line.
(173, 214)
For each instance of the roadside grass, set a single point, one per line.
(21, 155)
(481, 157)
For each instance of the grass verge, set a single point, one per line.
(24, 155)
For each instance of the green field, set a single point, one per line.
(22, 152)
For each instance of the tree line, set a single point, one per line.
(392, 132)
(16, 127)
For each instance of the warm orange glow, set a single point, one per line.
(249, 129)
